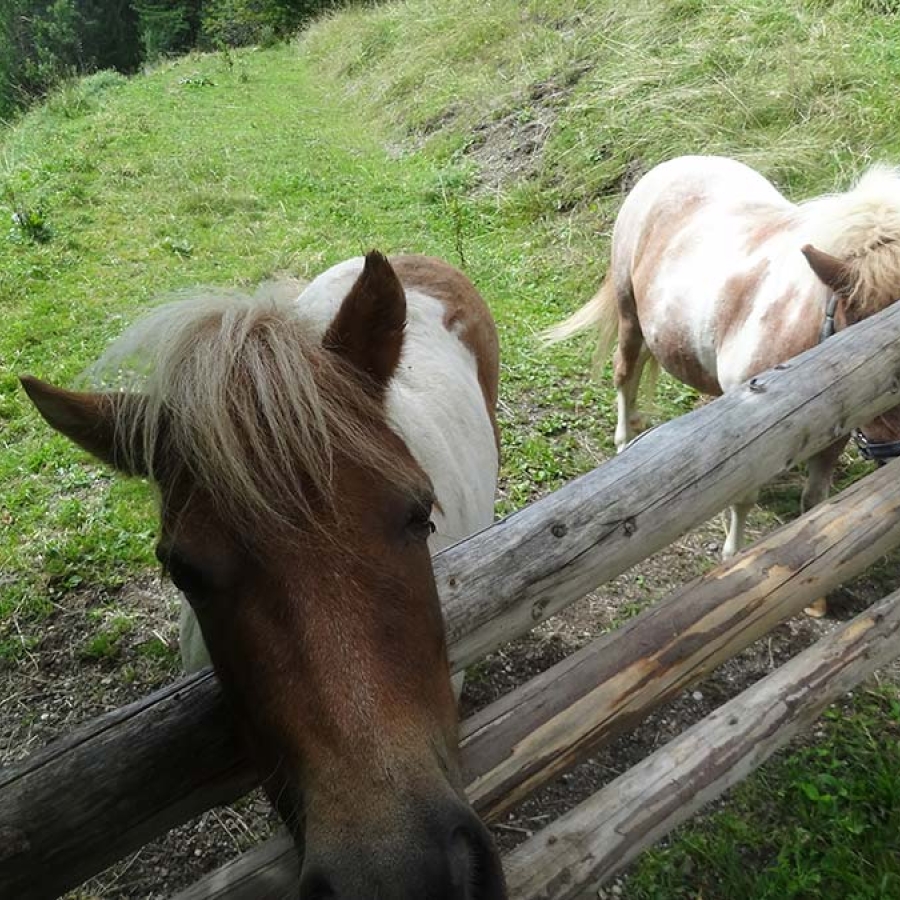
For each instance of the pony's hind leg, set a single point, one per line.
(631, 355)
(819, 468)
(738, 512)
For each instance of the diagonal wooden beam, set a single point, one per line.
(608, 830)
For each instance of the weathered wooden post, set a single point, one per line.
(604, 833)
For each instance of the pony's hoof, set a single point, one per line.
(817, 610)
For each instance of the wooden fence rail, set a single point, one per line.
(602, 835)
(495, 586)
(545, 727)
(85, 801)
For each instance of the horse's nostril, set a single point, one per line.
(315, 886)
(475, 867)
(447, 856)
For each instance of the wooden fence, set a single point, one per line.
(85, 801)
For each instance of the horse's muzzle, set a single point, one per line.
(451, 858)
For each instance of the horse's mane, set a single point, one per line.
(239, 390)
(862, 227)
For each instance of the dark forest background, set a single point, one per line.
(45, 41)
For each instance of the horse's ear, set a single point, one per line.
(830, 270)
(92, 421)
(368, 329)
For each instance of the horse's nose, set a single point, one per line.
(316, 886)
(474, 864)
(456, 861)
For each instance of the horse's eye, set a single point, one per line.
(419, 522)
(186, 577)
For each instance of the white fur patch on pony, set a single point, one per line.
(710, 248)
(709, 275)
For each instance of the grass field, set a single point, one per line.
(499, 135)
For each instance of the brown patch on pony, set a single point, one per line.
(772, 221)
(679, 360)
(737, 296)
(368, 329)
(656, 241)
(466, 314)
(792, 340)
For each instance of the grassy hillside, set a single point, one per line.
(801, 90)
(500, 135)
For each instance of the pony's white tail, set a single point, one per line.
(600, 313)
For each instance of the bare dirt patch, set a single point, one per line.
(67, 678)
(509, 147)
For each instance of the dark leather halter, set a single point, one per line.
(877, 451)
(827, 329)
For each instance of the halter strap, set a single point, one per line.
(827, 329)
(877, 451)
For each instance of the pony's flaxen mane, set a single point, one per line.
(862, 227)
(240, 391)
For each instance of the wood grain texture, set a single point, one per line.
(562, 716)
(607, 831)
(538, 731)
(85, 801)
(495, 586)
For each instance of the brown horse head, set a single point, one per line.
(863, 286)
(295, 521)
